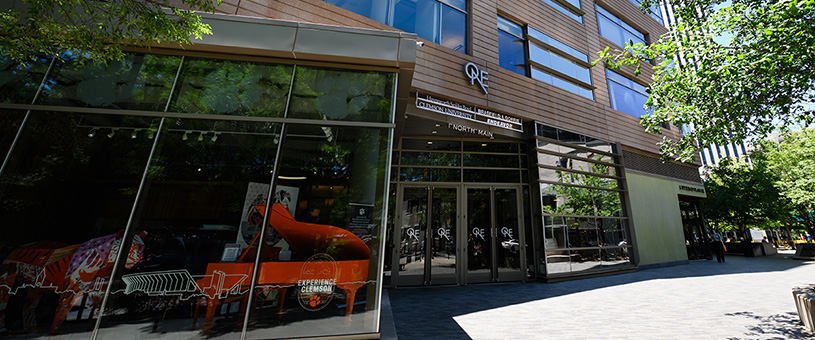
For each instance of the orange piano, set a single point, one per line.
(229, 282)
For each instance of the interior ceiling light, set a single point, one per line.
(201, 136)
(112, 133)
(214, 136)
(134, 134)
(435, 132)
(293, 178)
(184, 137)
(151, 134)
(483, 144)
(93, 132)
(430, 142)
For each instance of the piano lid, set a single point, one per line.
(307, 239)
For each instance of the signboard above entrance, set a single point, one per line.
(468, 112)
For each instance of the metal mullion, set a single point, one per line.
(595, 174)
(124, 247)
(27, 115)
(181, 115)
(493, 237)
(428, 235)
(584, 216)
(580, 186)
(554, 153)
(577, 146)
(267, 214)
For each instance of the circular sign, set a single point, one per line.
(318, 278)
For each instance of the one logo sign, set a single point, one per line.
(318, 278)
(412, 233)
(507, 232)
(476, 75)
(443, 232)
(479, 232)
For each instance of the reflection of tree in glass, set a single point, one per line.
(232, 87)
(586, 201)
(342, 94)
(19, 81)
(138, 81)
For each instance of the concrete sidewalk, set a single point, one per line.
(743, 298)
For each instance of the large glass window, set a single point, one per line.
(65, 199)
(615, 29)
(511, 46)
(180, 224)
(422, 160)
(626, 95)
(565, 10)
(581, 202)
(551, 61)
(441, 21)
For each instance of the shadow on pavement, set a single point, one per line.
(778, 326)
(425, 313)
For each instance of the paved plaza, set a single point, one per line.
(743, 298)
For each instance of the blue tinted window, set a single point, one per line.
(562, 83)
(626, 96)
(443, 22)
(615, 29)
(558, 63)
(511, 52)
(533, 33)
(563, 10)
(654, 12)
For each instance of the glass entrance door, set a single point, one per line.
(493, 234)
(440, 244)
(427, 249)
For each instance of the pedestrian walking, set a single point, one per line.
(718, 246)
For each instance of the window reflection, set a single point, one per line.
(199, 214)
(332, 182)
(137, 82)
(440, 21)
(232, 87)
(66, 197)
(335, 94)
(19, 81)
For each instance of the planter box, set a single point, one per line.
(805, 303)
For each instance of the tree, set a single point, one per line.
(793, 162)
(734, 90)
(740, 196)
(97, 30)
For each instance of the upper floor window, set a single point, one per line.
(654, 11)
(441, 21)
(626, 95)
(550, 61)
(511, 46)
(615, 29)
(565, 10)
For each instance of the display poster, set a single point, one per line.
(360, 220)
(251, 220)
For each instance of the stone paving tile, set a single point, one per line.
(743, 298)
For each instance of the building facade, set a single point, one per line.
(270, 180)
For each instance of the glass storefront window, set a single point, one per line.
(178, 204)
(232, 87)
(19, 81)
(9, 125)
(333, 187)
(334, 94)
(199, 212)
(66, 196)
(137, 82)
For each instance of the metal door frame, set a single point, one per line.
(396, 280)
(494, 275)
